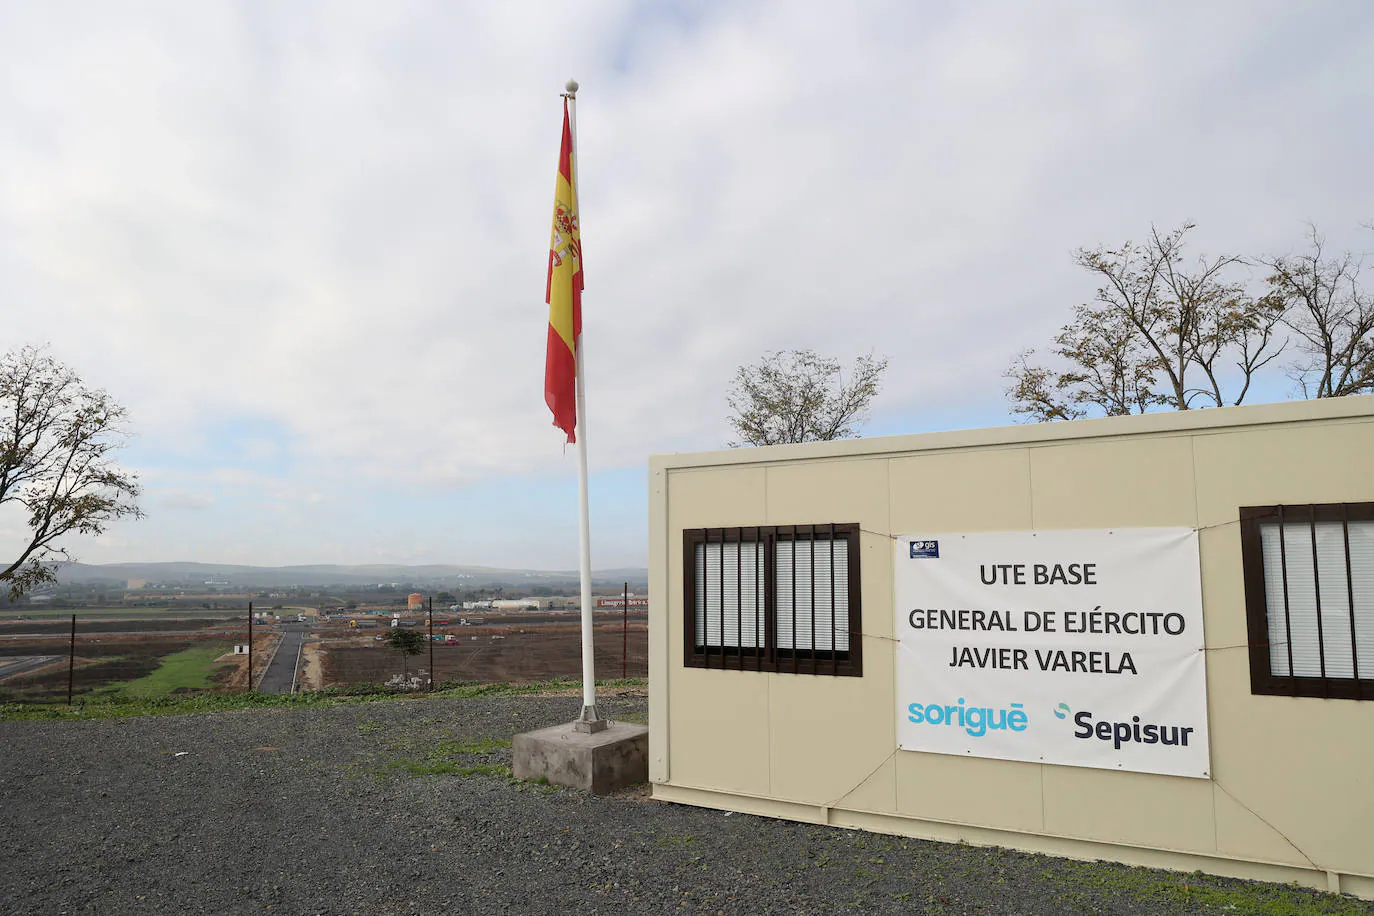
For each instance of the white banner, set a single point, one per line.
(1081, 648)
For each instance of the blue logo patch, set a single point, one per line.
(977, 721)
(921, 550)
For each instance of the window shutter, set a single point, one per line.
(1311, 574)
(812, 589)
(729, 584)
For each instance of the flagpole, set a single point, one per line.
(590, 719)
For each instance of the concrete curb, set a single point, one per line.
(296, 672)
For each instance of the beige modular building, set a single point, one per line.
(1268, 514)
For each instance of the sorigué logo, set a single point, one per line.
(977, 721)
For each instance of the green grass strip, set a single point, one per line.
(1197, 890)
(121, 705)
(189, 668)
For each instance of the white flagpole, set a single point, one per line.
(590, 719)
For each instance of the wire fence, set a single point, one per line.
(62, 660)
(124, 655)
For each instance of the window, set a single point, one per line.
(780, 598)
(1309, 599)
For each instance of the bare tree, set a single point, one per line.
(1332, 317)
(57, 441)
(1191, 318)
(1161, 332)
(798, 396)
(1107, 369)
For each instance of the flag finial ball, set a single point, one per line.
(571, 87)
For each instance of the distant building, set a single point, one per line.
(518, 604)
(415, 601)
(137, 583)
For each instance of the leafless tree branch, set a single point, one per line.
(1162, 332)
(1331, 315)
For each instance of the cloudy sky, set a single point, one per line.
(304, 243)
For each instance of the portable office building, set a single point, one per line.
(1147, 639)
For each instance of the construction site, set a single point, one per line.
(48, 660)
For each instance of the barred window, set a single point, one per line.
(773, 598)
(729, 576)
(1309, 596)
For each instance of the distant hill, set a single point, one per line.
(321, 575)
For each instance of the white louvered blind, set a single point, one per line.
(812, 594)
(729, 594)
(1305, 578)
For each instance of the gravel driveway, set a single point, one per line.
(406, 807)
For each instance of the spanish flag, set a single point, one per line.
(564, 294)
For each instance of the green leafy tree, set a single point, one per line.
(408, 643)
(797, 396)
(57, 443)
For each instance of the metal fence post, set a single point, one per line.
(71, 662)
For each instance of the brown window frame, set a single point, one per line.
(769, 657)
(1262, 679)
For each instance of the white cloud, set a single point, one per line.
(180, 500)
(329, 221)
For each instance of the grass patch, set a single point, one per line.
(553, 685)
(120, 705)
(474, 746)
(429, 767)
(188, 669)
(445, 759)
(1199, 890)
(486, 769)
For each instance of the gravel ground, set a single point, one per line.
(320, 811)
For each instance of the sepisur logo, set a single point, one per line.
(1121, 733)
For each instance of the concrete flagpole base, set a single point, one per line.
(590, 721)
(612, 757)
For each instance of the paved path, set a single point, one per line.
(282, 671)
(18, 664)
